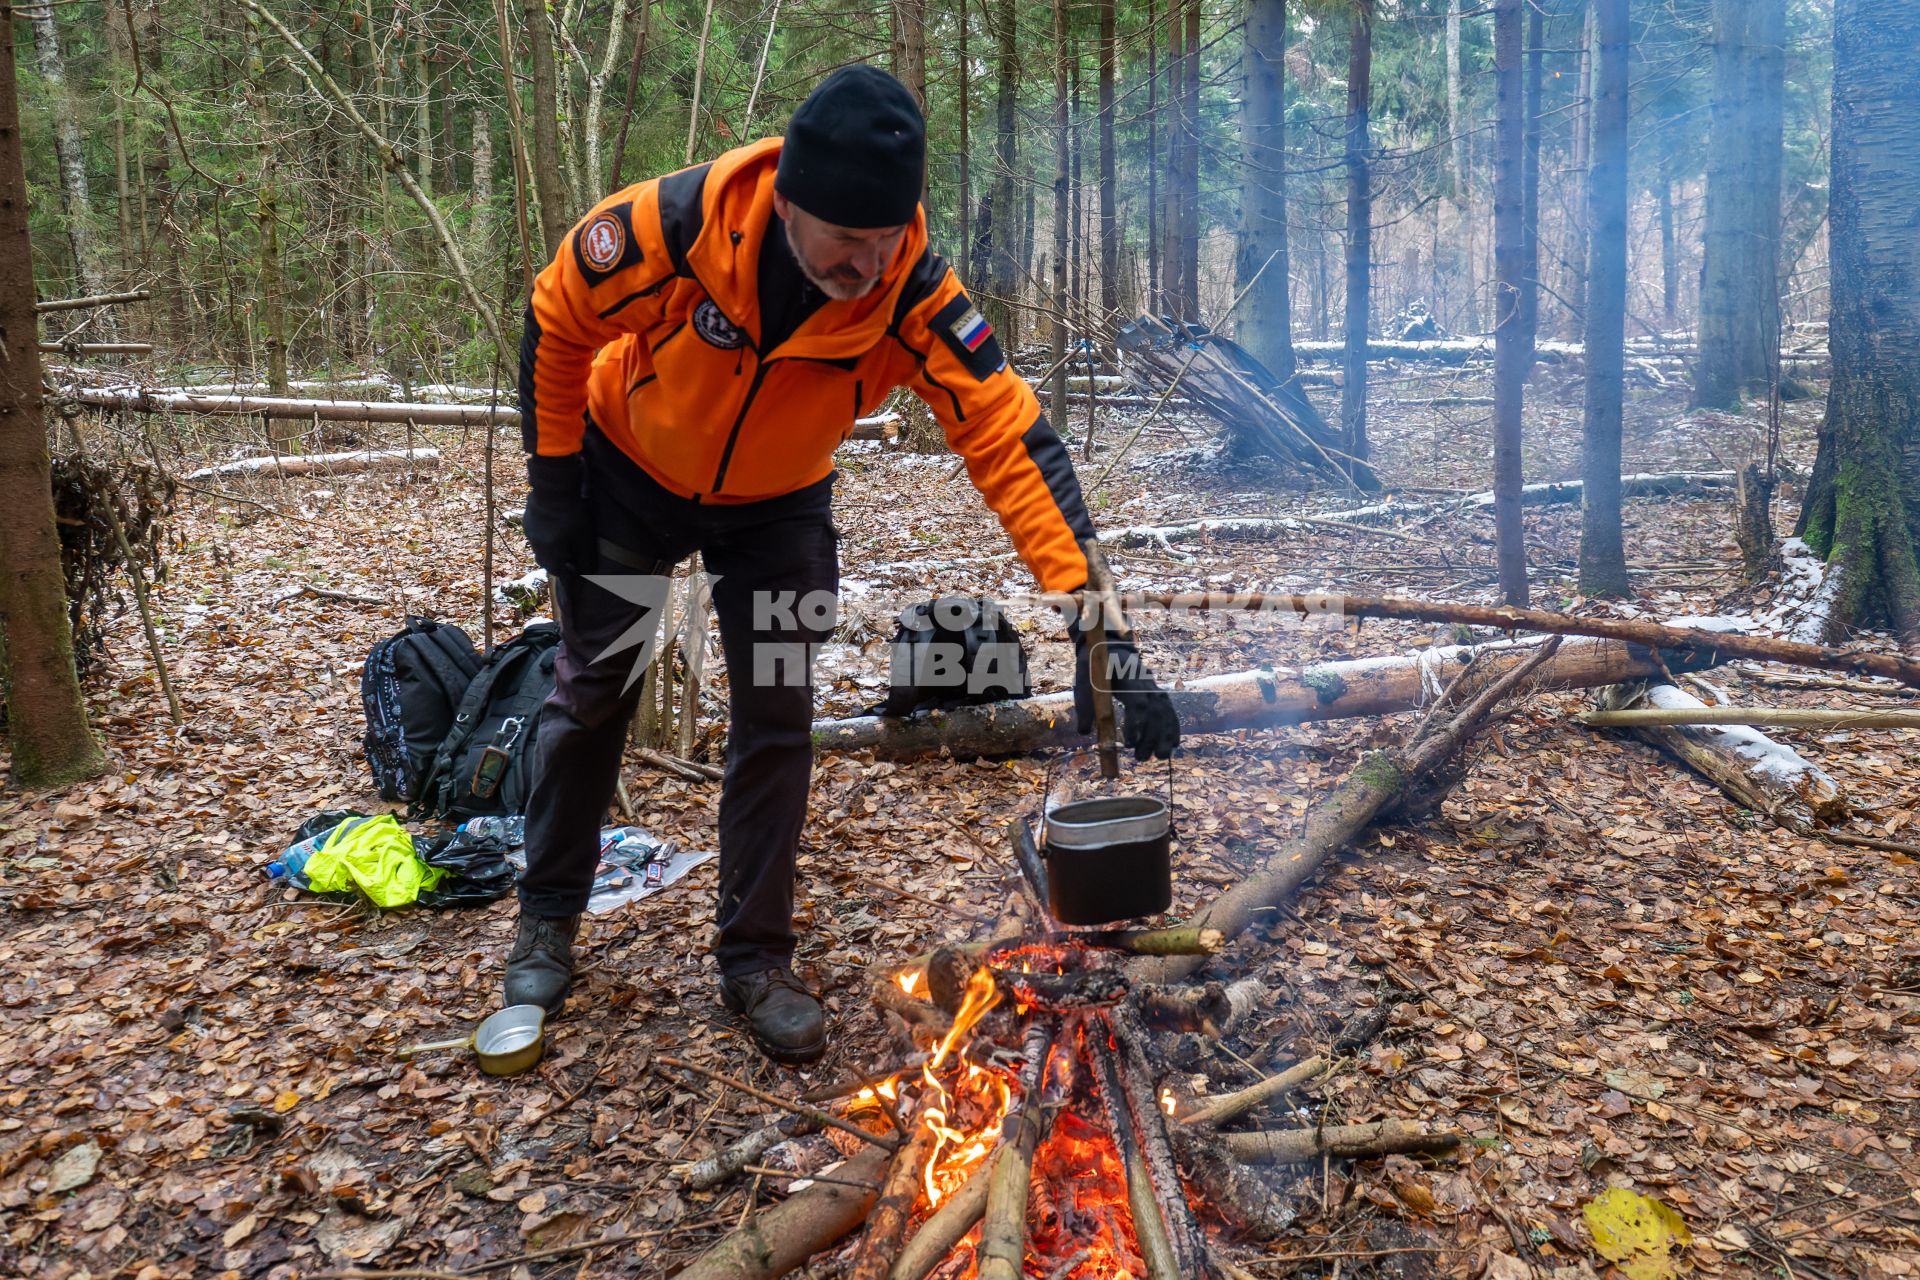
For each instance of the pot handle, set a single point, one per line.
(433, 1046)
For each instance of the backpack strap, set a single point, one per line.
(451, 661)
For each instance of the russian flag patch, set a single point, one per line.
(972, 329)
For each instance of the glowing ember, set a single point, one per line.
(909, 981)
(1167, 1103)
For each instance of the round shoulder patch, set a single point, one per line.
(711, 323)
(603, 241)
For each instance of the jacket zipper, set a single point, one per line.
(733, 436)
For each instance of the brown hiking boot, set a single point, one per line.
(787, 1021)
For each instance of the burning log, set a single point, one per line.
(774, 1242)
(1003, 1232)
(1255, 699)
(1353, 1141)
(1239, 1194)
(1149, 1229)
(945, 1227)
(1222, 1109)
(1150, 1124)
(1210, 1010)
(887, 1224)
(1763, 775)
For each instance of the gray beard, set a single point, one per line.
(834, 289)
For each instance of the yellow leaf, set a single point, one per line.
(1638, 1232)
(286, 1101)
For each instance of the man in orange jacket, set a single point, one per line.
(697, 349)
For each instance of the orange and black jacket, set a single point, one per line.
(647, 320)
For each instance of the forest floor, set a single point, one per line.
(1613, 976)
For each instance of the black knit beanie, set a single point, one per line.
(856, 151)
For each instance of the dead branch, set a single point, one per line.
(946, 1225)
(814, 1114)
(322, 464)
(95, 300)
(1352, 806)
(775, 1241)
(1150, 1123)
(1149, 1229)
(1659, 714)
(729, 1161)
(1219, 1110)
(1354, 1141)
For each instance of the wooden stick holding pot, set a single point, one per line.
(1100, 618)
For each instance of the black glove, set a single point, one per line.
(1150, 725)
(559, 526)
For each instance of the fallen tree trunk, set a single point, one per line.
(1669, 712)
(1385, 1138)
(1715, 646)
(1553, 493)
(1439, 351)
(775, 1241)
(321, 464)
(1763, 775)
(94, 300)
(1251, 699)
(99, 348)
(418, 413)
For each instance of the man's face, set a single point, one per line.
(842, 262)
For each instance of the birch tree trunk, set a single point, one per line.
(597, 98)
(75, 203)
(1456, 127)
(46, 714)
(1109, 54)
(483, 211)
(1510, 355)
(1603, 560)
(1582, 158)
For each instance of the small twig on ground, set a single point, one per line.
(785, 1104)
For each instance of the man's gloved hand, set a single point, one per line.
(559, 526)
(1150, 725)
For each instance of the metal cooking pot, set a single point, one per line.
(506, 1043)
(1109, 860)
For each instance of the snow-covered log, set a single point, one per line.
(321, 464)
(1763, 775)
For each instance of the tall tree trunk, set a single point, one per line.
(422, 109)
(963, 100)
(594, 164)
(1669, 250)
(75, 204)
(1739, 285)
(1190, 165)
(1109, 205)
(1863, 508)
(619, 157)
(998, 235)
(1155, 301)
(1603, 560)
(548, 182)
(1173, 284)
(46, 714)
(270, 309)
(1530, 188)
(484, 233)
(910, 46)
(1076, 145)
(1266, 326)
(1582, 159)
(1353, 392)
(1456, 126)
(1510, 356)
(1057, 348)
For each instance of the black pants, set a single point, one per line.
(776, 572)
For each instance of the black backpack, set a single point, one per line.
(485, 762)
(956, 651)
(410, 688)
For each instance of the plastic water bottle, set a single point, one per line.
(291, 863)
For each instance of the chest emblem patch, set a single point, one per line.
(714, 328)
(602, 243)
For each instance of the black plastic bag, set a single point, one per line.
(477, 867)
